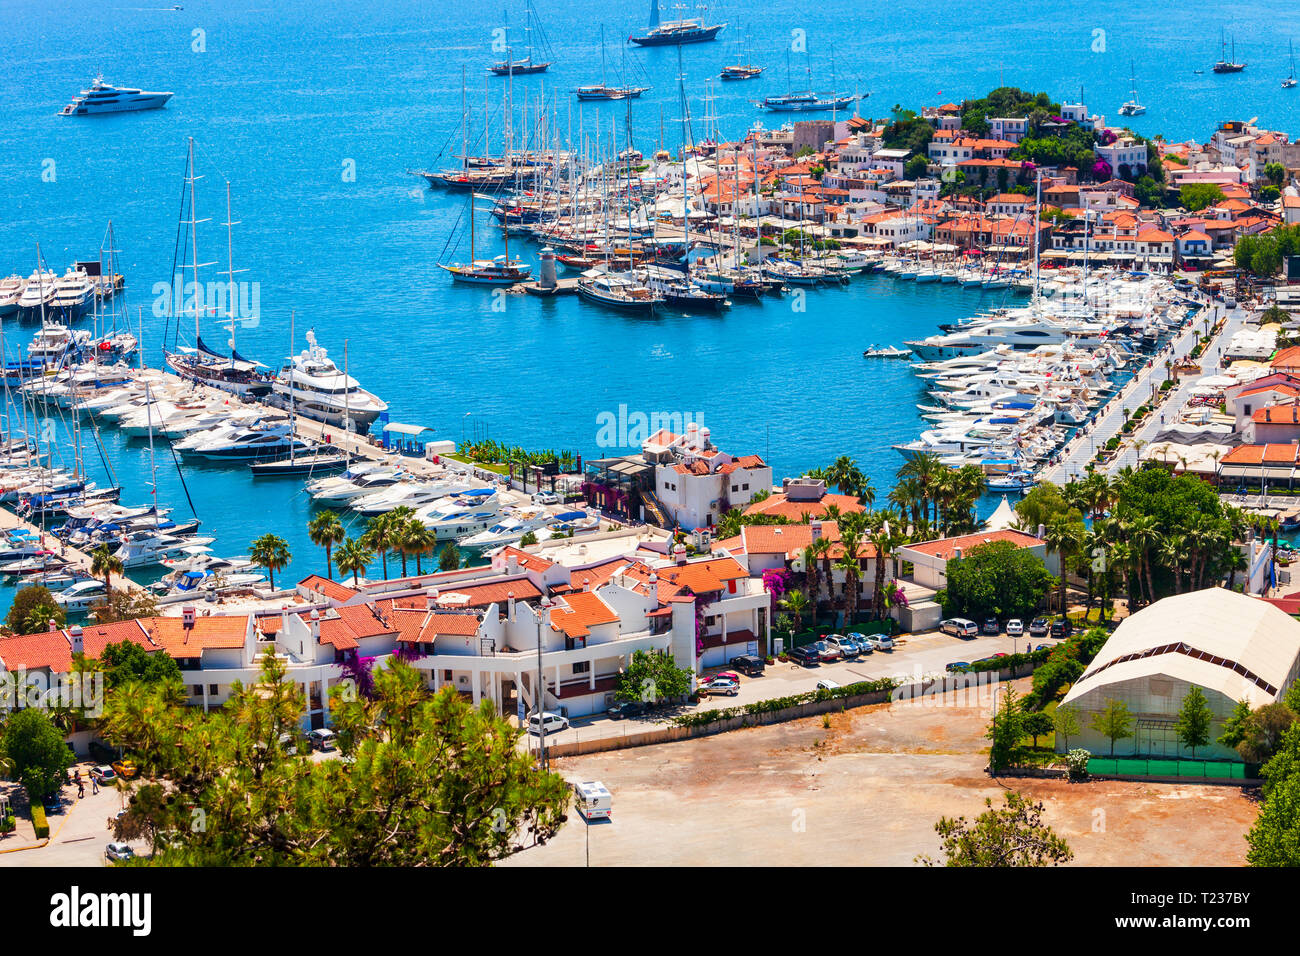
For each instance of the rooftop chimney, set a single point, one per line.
(74, 633)
(52, 625)
(315, 625)
(512, 563)
(284, 619)
(679, 553)
(815, 526)
(510, 606)
(187, 617)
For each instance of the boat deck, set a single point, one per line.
(75, 558)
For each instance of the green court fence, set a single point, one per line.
(1161, 767)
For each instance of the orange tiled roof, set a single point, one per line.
(945, 547)
(1287, 414)
(36, 651)
(579, 612)
(214, 632)
(327, 588)
(778, 504)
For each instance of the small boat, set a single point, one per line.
(1289, 82)
(81, 596)
(888, 351)
(807, 102)
(496, 271)
(1012, 481)
(312, 463)
(739, 72)
(602, 92)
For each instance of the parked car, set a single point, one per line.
(806, 655)
(876, 642)
(126, 768)
(827, 651)
(545, 498)
(749, 665)
(550, 723)
(728, 675)
(827, 684)
(845, 644)
(1038, 627)
(1015, 627)
(1061, 627)
(722, 685)
(632, 708)
(118, 851)
(959, 627)
(1043, 647)
(957, 665)
(322, 739)
(103, 774)
(992, 626)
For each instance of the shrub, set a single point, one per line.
(7, 823)
(1076, 762)
(706, 717)
(40, 823)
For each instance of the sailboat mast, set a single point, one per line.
(230, 274)
(293, 428)
(194, 249)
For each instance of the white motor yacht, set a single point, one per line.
(410, 494)
(321, 391)
(103, 98)
(81, 596)
(140, 549)
(509, 528)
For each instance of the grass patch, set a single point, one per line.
(488, 466)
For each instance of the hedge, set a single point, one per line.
(40, 823)
(1011, 660)
(705, 717)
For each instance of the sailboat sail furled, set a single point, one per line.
(201, 363)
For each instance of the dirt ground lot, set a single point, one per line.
(868, 790)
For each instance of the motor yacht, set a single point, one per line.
(321, 391)
(509, 528)
(103, 98)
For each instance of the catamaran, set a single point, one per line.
(1132, 107)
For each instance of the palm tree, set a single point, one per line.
(325, 531)
(927, 469)
(271, 552)
(885, 532)
(354, 554)
(796, 604)
(822, 548)
(906, 496)
(419, 540)
(104, 563)
(1173, 551)
(729, 524)
(379, 537)
(1064, 537)
(1143, 532)
(845, 475)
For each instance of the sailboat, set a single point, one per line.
(1132, 107)
(806, 101)
(1228, 66)
(513, 67)
(741, 71)
(603, 91)
(676, 32)
(1290, 79)
(501, 270)
(231, 373)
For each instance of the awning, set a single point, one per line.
(402, 429)
(1239, 471)
(1279, 472)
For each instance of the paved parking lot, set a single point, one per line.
(915, 656)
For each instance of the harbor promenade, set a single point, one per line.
(78, 560)
(1141, 389)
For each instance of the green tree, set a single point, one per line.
(1006, 730)
(449, 557)
(1264, 732)
(427, 779)
(1038, 724)
(380, 536)
(1237, 725)
(326, 530)
(1196, 196)
(1065, 723)
(127, 661)
(353, 557)
(270, 551)
(1194, 720)
(37, 753)
(1276, 173)
(796, 604)
(1115, 722)
(28, 599)
(997, 579)
(653, 677)
(915, 167)
(1274, 839)
(124, 605)
(1013, 835)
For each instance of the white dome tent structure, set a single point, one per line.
(1232, 646)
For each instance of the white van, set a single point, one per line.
(322, 739)
(552, 723)
(593, 800)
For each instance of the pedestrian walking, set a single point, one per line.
(94, 785)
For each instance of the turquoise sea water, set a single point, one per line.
(285, 100)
